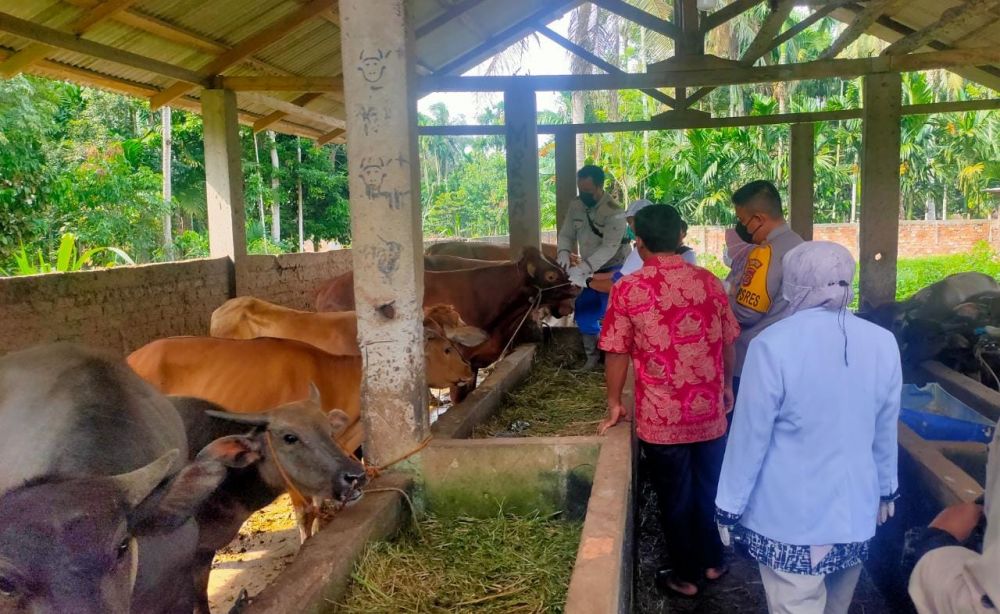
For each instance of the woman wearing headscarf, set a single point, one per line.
(810, 466)
(951, 579)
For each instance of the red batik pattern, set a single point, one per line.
(674, 320)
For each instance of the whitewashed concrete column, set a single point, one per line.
(565, 173)
(377, 51)
(802, 156)
(223, 175)
(878, 234)
(523, 212)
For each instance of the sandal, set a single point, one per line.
(667, 580)
(716, 573)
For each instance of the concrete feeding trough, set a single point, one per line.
(583, 479)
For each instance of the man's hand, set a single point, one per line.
(577, 277)
(728, 398)
(886, 510)
(616, 413)
(563, 259)
(959, 520)
(574, 259)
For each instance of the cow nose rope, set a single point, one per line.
(535, 304)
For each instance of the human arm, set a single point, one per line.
(615, 374)
(602, 282)
(614, 229)
(566, 241)
(761, 392)
(616, 341)
(884, 448)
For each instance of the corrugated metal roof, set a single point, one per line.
(191, 33)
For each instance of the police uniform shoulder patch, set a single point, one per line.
(752, 292)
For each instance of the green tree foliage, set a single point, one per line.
(87, 162)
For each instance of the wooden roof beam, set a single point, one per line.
(727, 13)
(271, 83)
(246, 47)
(37, 51)
(683, 121)
(505, 37)
(449, 14)
(291, 109)
(269, 120)
(62, 40)
(599, 62)
(952, 24)
(862, 21)
(331, 135)
(819, 69)
(762, 43)
(641, 17)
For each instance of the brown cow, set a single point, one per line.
(493, 298)
(247, 317)
(441, 262)
(481, 250)
(255, 375)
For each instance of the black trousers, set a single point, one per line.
(686, 478)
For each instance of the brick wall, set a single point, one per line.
(292, 280)
(119, 309)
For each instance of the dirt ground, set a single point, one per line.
(737, 593)
(268, 542)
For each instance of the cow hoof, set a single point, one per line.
(241, 602)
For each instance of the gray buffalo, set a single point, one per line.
(96, 491)
(290, 447)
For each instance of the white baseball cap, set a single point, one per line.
(636, 207)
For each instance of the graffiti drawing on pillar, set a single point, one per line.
(386, 257)
(372, 66)
(516, 148)
(375, 171)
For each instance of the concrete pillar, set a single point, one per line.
(387, 242)
(223, 175)
(565, 173)
(521, 125)
(878, 235)
(802, 157)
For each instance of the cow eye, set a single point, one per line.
(289, 438)
(123, 548)
(447, 350)
(7, 587)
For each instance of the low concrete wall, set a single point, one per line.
(124, 308)
(321, 571)
(291, 280)
(602, 577)
(478, 477)
(119, 309)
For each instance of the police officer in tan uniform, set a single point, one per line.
(595, 223)
(756, 298)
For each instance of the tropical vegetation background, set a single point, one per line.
(86, 164)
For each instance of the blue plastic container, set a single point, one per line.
(937, 416)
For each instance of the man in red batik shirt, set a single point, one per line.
(673, 320)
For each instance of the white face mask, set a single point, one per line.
(726, 260)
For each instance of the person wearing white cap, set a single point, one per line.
(810, 466)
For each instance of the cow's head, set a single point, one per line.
(542, 272)
(295, 441)
(445, 363)
(446, 319)
(68, 544)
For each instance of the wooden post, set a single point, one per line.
(223, 175)
(878, 235)
(166, 158)
(521, 130)
(565, 174)
(385, 223)
(802, 166)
